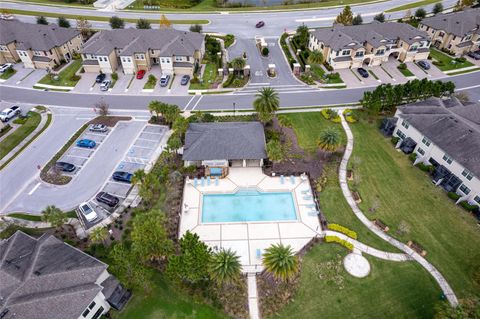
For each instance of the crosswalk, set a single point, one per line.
(280, 88)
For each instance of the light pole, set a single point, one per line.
(233, 108)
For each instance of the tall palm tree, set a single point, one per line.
(225, 266)
(280, 261)
(315, 57)
(138, 177)
(274, 151)
(266, 103)
(98, 235)
(54, 215)
(238, 64)
(329, 139)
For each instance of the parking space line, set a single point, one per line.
(96, 134)
(118, 183)
(78, 156)
(145, 139)
(144, 147)
(34, 188)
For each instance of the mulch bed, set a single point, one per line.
(109, 121)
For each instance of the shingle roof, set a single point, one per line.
(129, 41)
(458, 23)
(375, 33)
(34, 36)
(451, 125)
(228, 140)
(45, 278)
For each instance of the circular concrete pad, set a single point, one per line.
(356, 265)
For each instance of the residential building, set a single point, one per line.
(457, 32)
(176, 52)
(239, 144)
(46, 278)
(369, 44)
(445, 134)
(37, 46)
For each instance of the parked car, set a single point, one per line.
(65, 167)
(87, 211)
(260, 24)
(7, 114)
(86, 143)
(120, 176)
(105, 85)
(164, 80)
(362, 72)
(108, 199)
(5, 67)
(140, 74)
(185, 79)
(474, 55)
(99, 128)
(6, 16)
(424, 65)
(100, 77)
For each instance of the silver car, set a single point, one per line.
(105, 85)
(99, 128)
(87, 212)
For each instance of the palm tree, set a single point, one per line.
(274, 151)
(225, 266)
(329, 139)
(138, 177)
(315, 57)
(238, 64)
(284, 121)
(98, 235)
(280, 261)
(266, 103)
(54, 215)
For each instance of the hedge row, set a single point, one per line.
(335, 239)
(344, 230)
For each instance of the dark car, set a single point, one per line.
(362, 72)
(474, 55)
(120, 176)
(65, 167)
(260, 24)
(424, 65)
(108, 199)
(140, 74)
(185, 79)
(100, 77)
(86, 143)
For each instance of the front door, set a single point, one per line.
(156, 61)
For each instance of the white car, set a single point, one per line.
(5, 67)
(8, 114)
(105, 85)
(87, 212)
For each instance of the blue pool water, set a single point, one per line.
(247, 206)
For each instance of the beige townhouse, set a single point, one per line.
(37, 46)
(369, 44)
(457, 32)
(174, 51)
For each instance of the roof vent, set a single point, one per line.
(36, 272)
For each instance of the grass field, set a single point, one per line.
(8, 73)
(447, 63)
(412, 5)
(449, 234)
(65, 76)
(391, 290)
(405, 71)
(12, 140)
(209, 77)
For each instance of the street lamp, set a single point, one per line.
(233, 108)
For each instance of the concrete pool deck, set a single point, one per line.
(250, 239)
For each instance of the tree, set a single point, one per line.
(98, 235)
(345, 17)
(196, 28)
(102, 107)
(420, 13)
(143, 24)
(467, 308)
(302, 36)
(225, 266)
(164, 22)
(357, 20)
(238, 64)
(84, 26)
(42, 20)
(437, 8)
(116, 23)
(266, 104)
(315, 57)
(180, 126)
(329, 139)
(138, 177)
(156, 107)
(63, 22)
(280, 261)
(124, 264)
(379, 17)
(54, 216)
(275, 151)
(171, 113)
(174, 143)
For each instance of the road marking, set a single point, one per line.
(468, 87)
(253, 84)
(190, 101)
(34, 188)
(193, 108)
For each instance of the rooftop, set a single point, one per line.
(458, 23)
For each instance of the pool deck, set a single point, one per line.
(250, 238)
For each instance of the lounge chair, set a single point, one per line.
(195, 182)
(307, 197)
(282, 179)
(208, 181)
(202, 181)
(292, 179)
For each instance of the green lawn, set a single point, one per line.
(150, 84)
(165, 301)
(448, 233)
(447, 63)
(33, 218)
(209, 77)
(412, 5)
(391, 290)
(405, 71)
(12, 140)
(7, 74)
(66, 76)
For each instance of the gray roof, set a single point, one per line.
(34, 36)
(459, 23)
(228, 140)
(129, 41)
(45, 278)
(451, 125)
(375, 33)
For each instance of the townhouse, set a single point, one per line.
(45, 278)
(446, 135)
(174, 51)
(369, 44)
(37, 46)
(457, 32)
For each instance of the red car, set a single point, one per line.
(140, 74)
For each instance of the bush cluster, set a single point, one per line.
(344, 230)
(453, 195)
(335, 239)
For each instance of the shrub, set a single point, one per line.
(467, 206)
(265, 51)
(350, 119)
(412, 157)
(461, 60)
(395, 140)
(335, 239)
(438, 63)
(344, 230)
(325, 113)
(75, 77)
(337, 119)
(115, 76)
(426, 168)
(328, 66)
(307, 79)
(402, 66)
(453, 195)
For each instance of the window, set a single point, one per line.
(467, 174)
(359, 54)
(346, 52)
(477, 199)
(152, 52)
(401, 134)
(464, 189)
(468, 37)
(178, 58)
(426, 141)
(380, 52)
(163, 60)
(428, 28)
(441, 34)
(447, 159)
(454, 37)
(413, 48)
(85, 313)
(405, 124)
(420, 151)
(98, 313)
(92, 305)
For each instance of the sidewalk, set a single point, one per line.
(253, 296)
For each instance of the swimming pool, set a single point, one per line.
(248, 205)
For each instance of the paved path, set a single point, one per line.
(253, 296)
(447, 290)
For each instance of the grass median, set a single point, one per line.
(12, 140)
(413, 5)
(66, 77)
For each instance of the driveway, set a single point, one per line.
(349, 78)
(136, 86)
(391, 68)
(122, 82)
(381, 74)
(20, 74)
(177, 88)
(86, 82)
(32, 78)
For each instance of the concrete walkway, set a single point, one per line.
(447, 290)
(253, 296)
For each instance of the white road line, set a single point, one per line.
(193, 108)
(34, 188)
(190, 101)
(468, 87)
(77, 156)
(252, 84)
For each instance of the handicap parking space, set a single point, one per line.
(141, 152)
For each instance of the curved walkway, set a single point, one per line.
(447, 290)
